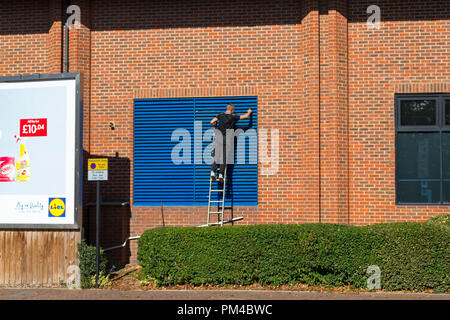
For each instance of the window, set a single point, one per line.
(423, 149)
(418, 112)
(182, 126)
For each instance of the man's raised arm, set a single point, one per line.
(245, 116)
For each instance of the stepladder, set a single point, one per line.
(220, 191)
(216, 195)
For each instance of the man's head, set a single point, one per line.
(230, 108)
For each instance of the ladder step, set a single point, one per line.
(217, 190)
(216, 212)
(216, 201)
(223, 222)
(225, 207)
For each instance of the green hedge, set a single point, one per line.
(87, 256)
(442, 220)
(411, 256)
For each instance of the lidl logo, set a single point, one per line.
(57, 207)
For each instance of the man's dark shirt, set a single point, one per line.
(227, 121)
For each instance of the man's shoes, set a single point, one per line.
(213, 176)
(220, 178)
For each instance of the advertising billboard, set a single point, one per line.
(40, 151)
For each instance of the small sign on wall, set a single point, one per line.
(97, 169)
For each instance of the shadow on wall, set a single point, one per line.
(32, 17)
(25, 17)
(115, 210)
(399, 10)
(139, 14)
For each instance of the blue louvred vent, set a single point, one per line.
(160, 125)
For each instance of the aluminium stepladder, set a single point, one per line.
(220, 209)
(220, 203)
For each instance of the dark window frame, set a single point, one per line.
(444, 98)
(440, 128)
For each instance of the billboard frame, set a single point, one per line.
(78, 192)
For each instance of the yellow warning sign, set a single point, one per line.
(97, 164)
(97, 169)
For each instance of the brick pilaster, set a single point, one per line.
(309, 115)
(333, 112)
(54, 38)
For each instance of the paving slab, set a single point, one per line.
(101, 294)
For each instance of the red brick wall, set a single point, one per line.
(29, 37)
(322, 78)
(201, 44)
(412, 47)
(333, 112)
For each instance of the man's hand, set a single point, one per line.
(245, 116)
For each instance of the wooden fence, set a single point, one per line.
(36, 258)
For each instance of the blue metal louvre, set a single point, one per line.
(242, 179)
(156, 177)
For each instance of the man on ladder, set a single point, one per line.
(225, 121)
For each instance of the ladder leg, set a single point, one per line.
(220, 211)
(209, 200)
(223, 193)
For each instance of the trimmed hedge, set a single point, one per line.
(411, 256)
(441, 220)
